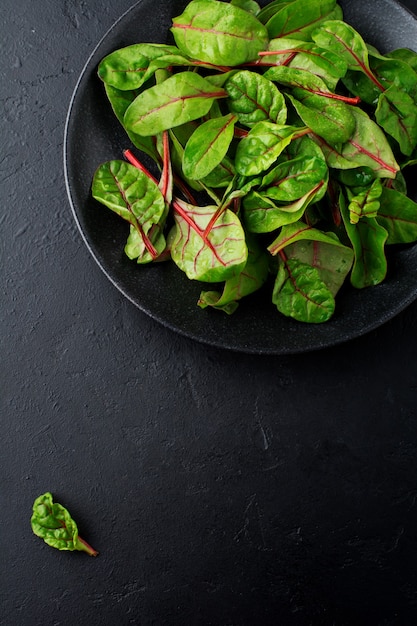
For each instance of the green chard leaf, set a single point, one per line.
(300, 293)
(320, 250)
(128, 68)
(220, 33)
(344, 40)
(298, 18)
(367, 147)
(207, 243)
(250, 279)
(248, 5)
(262, 146)
(397, 114)
(130, 193)
(183, 97)
(368, 239)
(254, 98)
(53, 523)
(398, 215)
(208, 146)
(264, 215)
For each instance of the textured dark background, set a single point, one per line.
(220, 489)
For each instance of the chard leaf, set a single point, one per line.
(329, 119)
(206, 243)
(128, 68)
(290, 180)
(130, 193)
(398, 215)
(365, 203)
(300, 293)
(220, 33)
(120, 101)
(248, 5)
(254, 98)
(344, 40)
(368, 239)
(222, 175)
(250, 279)
(208, 146)
(263, 215)
(333, 262)
(321, 63)
(53, 523)
(300, 231)
(397, 114)
(406, 55)
(298, 18)
(262, 146)
(367, 147)
(183, 97)
(307, 57)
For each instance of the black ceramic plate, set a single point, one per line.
(161, 290)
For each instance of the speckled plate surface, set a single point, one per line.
(92, 135)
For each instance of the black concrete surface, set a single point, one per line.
(221, 489)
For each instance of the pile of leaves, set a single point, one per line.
(280, 137)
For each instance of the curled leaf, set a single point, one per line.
(53, 523)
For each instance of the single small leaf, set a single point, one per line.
(248, 5)
(292, 179)
(208, 146)
(254, 98)
(53, 523)
(368, 239)
(300, 231)
(397, 114)
(329, 119)
(130, 193)
(128, 68)
(300, 293)
(298, 18)
(367, 147)
(218, 32)
(398, 215)
(365, 203)
(207, 243)
(181, 98)
(263, 215)
(333, 262)
(342, 39)
(262, 146)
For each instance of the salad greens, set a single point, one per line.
(281, 139)
(52, 522)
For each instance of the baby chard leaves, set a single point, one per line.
(289, 126)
